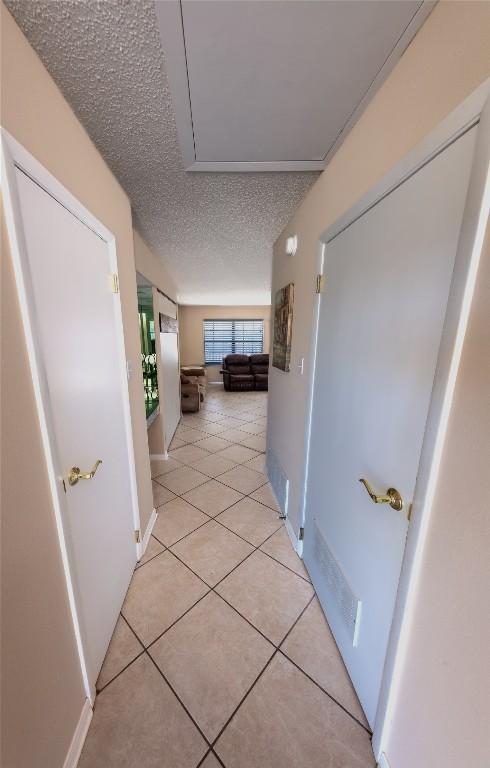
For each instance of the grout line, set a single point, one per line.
(252, 625)
(168, 546)
(142, 565)
(182, 495)
(256, 547)
(98, 691)
(178, 699)
(276, 650)
(296, 621)
(218, 758)
(210, 589)
(201, 761)
(201, 578)
(230, 605)
(146, 647)
(277, 647)
(330, 696)
(243, 698)
(285, 566)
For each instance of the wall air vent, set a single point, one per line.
(337, 588)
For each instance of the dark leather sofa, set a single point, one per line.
(259, 365)
(245, 372)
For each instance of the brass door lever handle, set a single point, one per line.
(392, 496)
(76, 474)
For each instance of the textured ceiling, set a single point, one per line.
(214, 231)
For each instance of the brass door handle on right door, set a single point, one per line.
(391, 497)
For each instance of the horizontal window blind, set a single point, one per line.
(232, 337)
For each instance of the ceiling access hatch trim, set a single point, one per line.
(172, 33)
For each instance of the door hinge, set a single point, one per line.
(301, 534)
(320, 283)
(137, 536)
(114, 280)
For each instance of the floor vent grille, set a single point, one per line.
(337, 588)
(278, 481)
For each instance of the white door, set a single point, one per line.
(75, 323)
(387, 280)
(171, 384)
(169, 354)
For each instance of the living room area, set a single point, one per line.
(222, 348)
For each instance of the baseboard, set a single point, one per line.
(158, 456)
(383, 761)
(146, 537)
(78, 740)
(297, 544)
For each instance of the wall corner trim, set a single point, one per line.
(146, 538)
(79, 736)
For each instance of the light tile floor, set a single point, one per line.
(222, 655)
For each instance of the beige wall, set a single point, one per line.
(153, 269)
(441, 717)
(448, 59)
(191, 331)
(41, 683)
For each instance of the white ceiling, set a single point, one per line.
(273, 84)
(214, 231)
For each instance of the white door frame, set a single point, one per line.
(475, 110)
(15, 156)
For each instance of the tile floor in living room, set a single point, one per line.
(221, 655)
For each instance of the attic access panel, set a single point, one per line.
(273, 85)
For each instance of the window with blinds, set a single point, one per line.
(232, 337)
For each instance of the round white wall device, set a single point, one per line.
(291, 245)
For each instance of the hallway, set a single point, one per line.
(221, 655)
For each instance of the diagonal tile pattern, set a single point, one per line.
(213, 497)
(212, 552)
(267, 594)
(243, 479)
(161, 494)
(287, 721)
(211, 649)
(183, 479)
(160, 593)
(264, 494)
(126, 730)
(250, 520)
(153, 548)
(311, 646)
(175, 520)
(188, 453)
(123, 649)
(222, 655)
(237, 453)
(214, 465)
(279, 547)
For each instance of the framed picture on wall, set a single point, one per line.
(283, 327)
(168, 324)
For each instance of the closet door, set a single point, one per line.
(387, 282)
